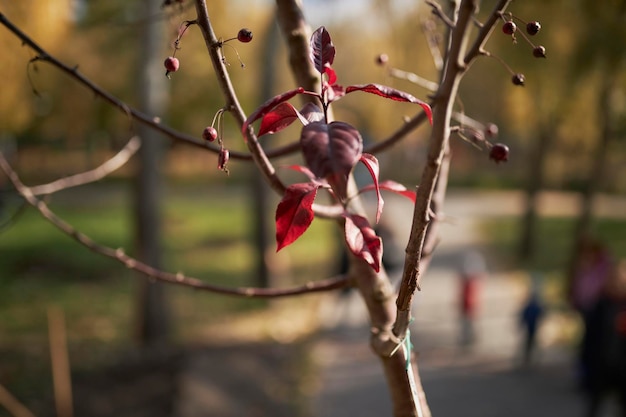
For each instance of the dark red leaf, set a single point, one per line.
(371, 163)
(331, 151)
(294, 213)
(392, 93)
(362, 240)
(268, 106)
(393, 186)
(322, 50)
(279, 118)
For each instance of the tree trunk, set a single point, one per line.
(260, 190)
(152, 314)
(597, 173)
(533, 186)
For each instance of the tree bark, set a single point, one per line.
(152, 314)
(533, 187)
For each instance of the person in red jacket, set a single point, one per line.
(472, 272)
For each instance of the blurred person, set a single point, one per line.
(473, 270)
(529, 319)
(605, 348)
(594, 266)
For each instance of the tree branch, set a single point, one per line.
(153, 122)
(168, 277)
(13, 405)
(440, 135)
(117, 161)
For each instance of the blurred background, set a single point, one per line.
(137, 348)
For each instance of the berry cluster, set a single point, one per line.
(509, 27)
(478, 135)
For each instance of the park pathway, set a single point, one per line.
(482, 381)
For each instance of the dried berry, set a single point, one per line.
(518, 79)
(532, 28)
(171, 64)
(382, 59)
(539, 52)
(491, 130)
(499, 152)
(209, 133)
(244, 35)
(222, 159)
(509, 27)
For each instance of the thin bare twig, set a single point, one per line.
(433, 40)
(153, 122)
(438, 11)
(168, 277)
(110, 165)
(13, 405)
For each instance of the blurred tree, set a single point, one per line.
(600, 55)
(152, 91)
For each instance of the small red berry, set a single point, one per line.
(491, 130)
(222, 159)
(499, 153)
(518, 79)
(209, 133)
(532, 28)
(244, 35)
(509, 27)
(382, 59)
(539, 52)
(171, 64)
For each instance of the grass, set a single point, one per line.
(207, 234)
(554, 240)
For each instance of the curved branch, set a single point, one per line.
(110, 165)
(476, 49)
(167, 277)
(153, 122)
(320, 211)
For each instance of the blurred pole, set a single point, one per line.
(260, 190)
(60, 363)
(152, 312)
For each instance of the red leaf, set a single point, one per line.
(392, 93)
(303, 170)
(322, 50)
(392, 186)
(371, 163)
(268, 106)
(362, 240)
(279, 118)
(294, 213)
(331, 151)
(332, 75)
